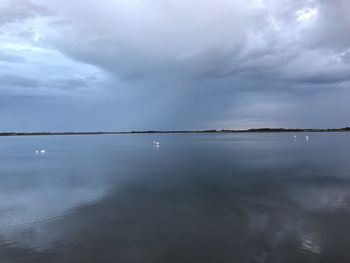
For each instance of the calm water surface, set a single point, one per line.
(196, 198)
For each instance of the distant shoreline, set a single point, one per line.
(257, 130)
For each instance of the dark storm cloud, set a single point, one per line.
(188, 64)
(214, 40)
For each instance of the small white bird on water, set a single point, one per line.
(41, 151)
(155, 143)
(307, 138)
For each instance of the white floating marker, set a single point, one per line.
(307, 138)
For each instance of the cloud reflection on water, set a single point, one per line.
(197, 201)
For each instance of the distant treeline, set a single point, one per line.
(346, 129)
(297, 130)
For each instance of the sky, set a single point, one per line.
(89, 65)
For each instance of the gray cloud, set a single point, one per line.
(184, 64)
(10, 58)
(215, 40)
(18, 10)
(13, 80)
(16, 85)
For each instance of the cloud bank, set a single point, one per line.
(174, 64)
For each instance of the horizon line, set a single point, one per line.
(251, 130)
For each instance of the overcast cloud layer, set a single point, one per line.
(173, 64)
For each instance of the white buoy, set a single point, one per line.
(307, 138)
(42, 151)
(36, 152)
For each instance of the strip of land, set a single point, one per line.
(257, 130)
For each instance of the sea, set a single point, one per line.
(233, 197)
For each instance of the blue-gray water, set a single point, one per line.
(196, 198)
